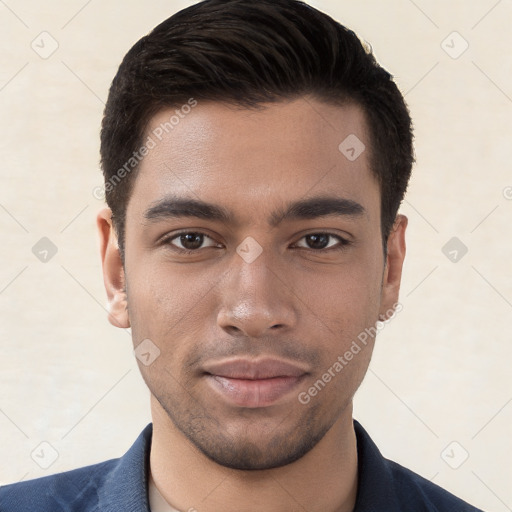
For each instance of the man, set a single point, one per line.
(255, 156)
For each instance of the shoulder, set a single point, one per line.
(386, 485)
(116, 485)
(412, 488)
(71, 490)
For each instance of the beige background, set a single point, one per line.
(441, 369)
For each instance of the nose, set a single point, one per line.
(256, 299)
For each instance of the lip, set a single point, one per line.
(266, 368)
(253, 384)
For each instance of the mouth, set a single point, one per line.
(254, 384)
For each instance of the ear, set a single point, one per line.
(393, 269)
(113, 271)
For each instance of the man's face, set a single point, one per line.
(257, 288)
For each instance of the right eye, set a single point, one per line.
(188, 241)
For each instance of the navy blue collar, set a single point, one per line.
(132, 475)
(383, 485)
(127, 489)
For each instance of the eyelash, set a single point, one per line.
(343, 242)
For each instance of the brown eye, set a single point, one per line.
(189, 241)
(319, 241)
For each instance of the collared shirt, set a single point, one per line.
(121, 485)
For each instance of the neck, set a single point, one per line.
(325, 479)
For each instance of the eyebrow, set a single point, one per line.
(172, 207)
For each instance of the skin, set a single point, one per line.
(296, 301)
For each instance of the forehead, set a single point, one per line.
(250, 160)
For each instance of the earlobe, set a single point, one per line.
(113, 271)
(394, 263)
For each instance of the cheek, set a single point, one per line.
(345, 298)
(166, 304)
(340, 314)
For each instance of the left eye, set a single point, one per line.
(317, 241)
(190, 241)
